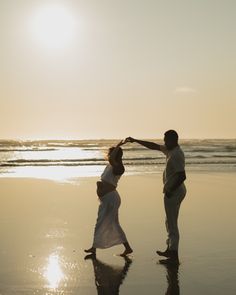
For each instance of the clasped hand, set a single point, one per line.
(126, 140)
(129, 139)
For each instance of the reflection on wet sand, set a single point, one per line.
(172, 276)
(108, 279)
(53, 272)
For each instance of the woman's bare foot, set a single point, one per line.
(126, 252)
(90, 256)
(91, 250)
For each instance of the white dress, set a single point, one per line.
(108, 231)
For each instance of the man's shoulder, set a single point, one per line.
(177, 152)
(178, 149)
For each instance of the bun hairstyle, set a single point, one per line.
(119, 154)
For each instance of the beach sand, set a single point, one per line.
(45, 225)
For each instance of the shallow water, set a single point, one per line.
(67, 160)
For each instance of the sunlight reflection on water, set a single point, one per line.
(53, 272)
(60, 174)
(62, 165)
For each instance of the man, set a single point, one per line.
(174, 189)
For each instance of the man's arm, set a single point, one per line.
(148, 144)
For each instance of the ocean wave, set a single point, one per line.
(221, 153)
(50, 163)
(98, 162)
(210, 150)
(209, 156)
(94, 160)
(27, 150)
(224, 156)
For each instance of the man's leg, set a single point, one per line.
(172, 206)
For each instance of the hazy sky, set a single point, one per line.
(110, 69)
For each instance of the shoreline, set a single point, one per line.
(72, 180)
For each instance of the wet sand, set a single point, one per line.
(45, 225)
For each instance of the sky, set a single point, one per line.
(111, 69)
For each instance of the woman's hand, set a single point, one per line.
(121, 143)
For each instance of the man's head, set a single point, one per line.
(171, 139)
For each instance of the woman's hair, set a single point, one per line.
(118, 155)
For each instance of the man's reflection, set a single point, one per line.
(172, 276)
(109, 278)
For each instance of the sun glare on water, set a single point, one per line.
(53, 26)
(53, 273)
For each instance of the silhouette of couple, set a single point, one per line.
(108, 231)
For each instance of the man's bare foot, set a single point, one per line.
(91, 250)
(126, 252)
(168, 253)
(170, 261)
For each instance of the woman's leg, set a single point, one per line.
(100, 218)
(128, 249)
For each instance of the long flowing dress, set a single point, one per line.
(108, 231)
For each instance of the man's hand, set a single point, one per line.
(168, 195)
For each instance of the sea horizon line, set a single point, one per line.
(108, 139)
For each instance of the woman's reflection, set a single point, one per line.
(172, 276)
(109, 278)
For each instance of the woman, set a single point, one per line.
(108, 231)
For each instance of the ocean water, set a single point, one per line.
(71, 159)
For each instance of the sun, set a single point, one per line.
(53, 26)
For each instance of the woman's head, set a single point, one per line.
(119, 153)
